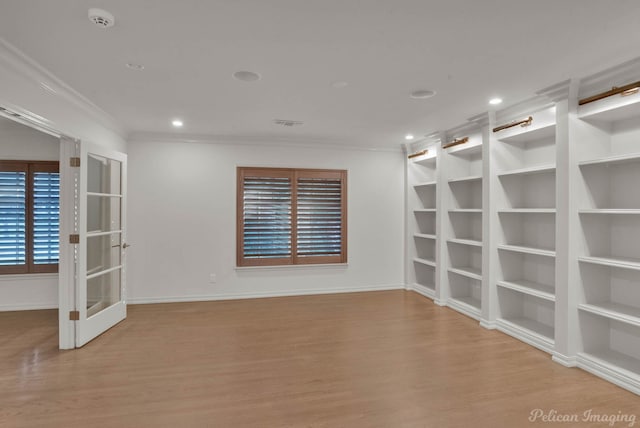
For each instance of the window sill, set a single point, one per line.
(27, 276)
(294, 267)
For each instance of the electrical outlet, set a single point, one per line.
(213, 278)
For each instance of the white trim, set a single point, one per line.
(525, 335)
(422, 290)
(287, 267)
(489, 325)
(564, 360)
(67, 263)
(266, 294)
(29, 69)
(28, 306)
(464, 308)
(236, 140)
(608, 372)
(28, 277)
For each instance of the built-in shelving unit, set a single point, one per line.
(525, 196)
(528, 220)
(462, 229)
(608, 258)
(423, 211)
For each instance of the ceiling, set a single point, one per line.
(466, 50)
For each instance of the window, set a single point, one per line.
(29, 217)
(291, 216)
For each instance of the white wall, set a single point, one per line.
(19, 142)
(22, 89)
(182, 223)
(30, 90)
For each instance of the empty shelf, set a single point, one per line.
(425, 236)
(466, 210)
(528, 211)
(471, 242)
(621, 262)
(610, 211)
(425, 261)
(615, 159)
(425, 184)
(531, 288)
(466, 179)
(528, 250)
(468, 271)
(615, 311)
(538, 169)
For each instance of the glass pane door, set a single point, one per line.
(102, 245)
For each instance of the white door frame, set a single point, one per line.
(67, 276)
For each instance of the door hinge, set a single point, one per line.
(74, 315)
(74, 162)
(74, 239)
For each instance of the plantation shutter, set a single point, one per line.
(289, 216)
(29, 216)
(13, 214)
(46, 217)
(319, 216)
(266, 216)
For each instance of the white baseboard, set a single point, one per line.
(440, 302)
(489, 325)
(28, 307)
(257, 295)
(564, 360)
(422, 290)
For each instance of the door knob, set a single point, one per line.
(125, 245)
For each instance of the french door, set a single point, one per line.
(101, 249)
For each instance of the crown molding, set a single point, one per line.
(604, 80)
(239, 140)
(557, 92)
(18, 63)
(524, 108)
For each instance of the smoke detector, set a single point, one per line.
(289, 123)
(101, 18)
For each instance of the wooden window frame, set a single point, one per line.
(29, 167)
(293, 174)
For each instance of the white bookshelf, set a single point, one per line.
(462, 230)
(524, 191)
(422, 213)
(535, 230)
(608, 213)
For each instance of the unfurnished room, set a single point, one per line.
(297, 213)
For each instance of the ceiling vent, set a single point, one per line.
(101, 18)
(289, 123)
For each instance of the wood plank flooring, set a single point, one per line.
(384, 359)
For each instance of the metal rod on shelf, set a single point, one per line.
(420, 153)
(523, 123)
(626, 90)
(455, 142)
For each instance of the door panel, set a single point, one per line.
(101, 252)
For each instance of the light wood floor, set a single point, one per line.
(384, 359)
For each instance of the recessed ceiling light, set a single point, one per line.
(408, 137)
(339, 84)
(246, 76)
(422, 94)
(495, 101)
(134, 66)
(177, 123)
